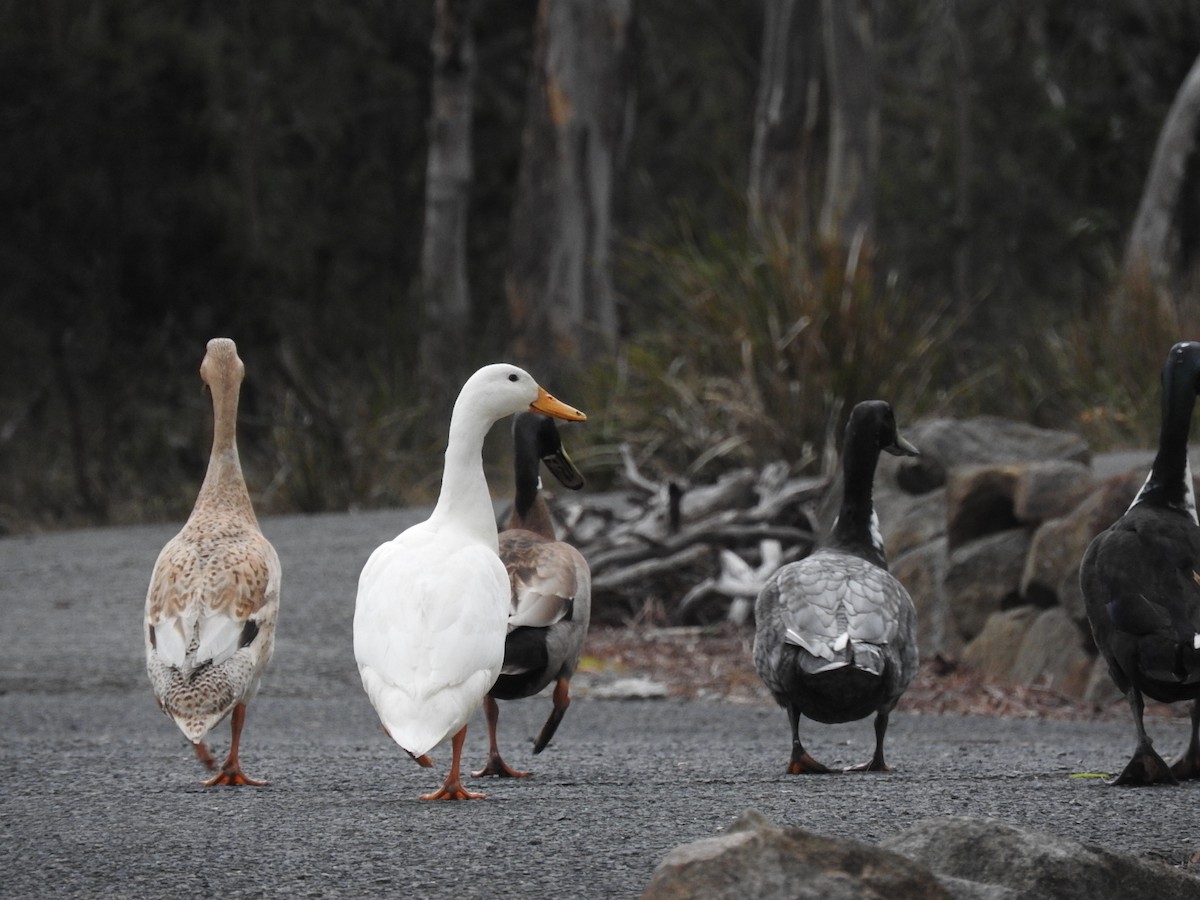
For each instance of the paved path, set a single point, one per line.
(99, 793)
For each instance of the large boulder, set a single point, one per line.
(994, 650)
(1053, 654)
(923, 571)
(1051, 488)
(1036, 864)
(979, 501)
(1052, 568)
(984, 577)
(754, 858)
(946, 444)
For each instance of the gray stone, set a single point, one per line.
(908, 521)
(1037, 864)
(984, 577)
(1048, 490)
(1052, 654)
(1101, 689)
(948, 443)
(979, 501)
(994, 650)
(1059, 544)
(754, 858)
(922, 571)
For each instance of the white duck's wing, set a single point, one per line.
(840, 609)
(429, 633)
(544, 575)
(209, 624)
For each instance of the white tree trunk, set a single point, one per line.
(559, 285)
(1156, 246)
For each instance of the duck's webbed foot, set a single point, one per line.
(876, 763)
(498, 767)
(233, 776)
(803, 764)
(1146, 767)
(453, 788)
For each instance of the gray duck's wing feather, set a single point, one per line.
(841, 610)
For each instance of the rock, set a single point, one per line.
(1048, 490)
(984, 577)
(909, 521)
(1053, 654)
(994, 651)
(979, 502)
(1036, 864)
(1059, 544)
(1101, 689)
(754, 858)
(922, 572)
(984, 440)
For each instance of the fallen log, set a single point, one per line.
(700, 553)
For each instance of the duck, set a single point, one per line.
(432, 610)
(835, 632)
(551, 590)
(213, 599)
(1140, 580)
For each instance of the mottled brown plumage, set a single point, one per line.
(551, 590)
(211, 608)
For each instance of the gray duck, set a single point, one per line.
(836, 632)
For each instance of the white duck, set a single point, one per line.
(214, 595)
(432, 609)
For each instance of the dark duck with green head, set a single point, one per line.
(836, 632)
(1141, 583)
(551, 589)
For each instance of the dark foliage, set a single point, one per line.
(171, 172)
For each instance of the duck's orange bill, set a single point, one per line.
(550, 406)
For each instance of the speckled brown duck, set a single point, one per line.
(214, 595)
(551, 590)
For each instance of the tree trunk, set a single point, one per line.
(559, 287)
(445, 289)
(782, 185)
(848, 210)
(1163, 242)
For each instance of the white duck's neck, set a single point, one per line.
(464, 500)
(224, 486)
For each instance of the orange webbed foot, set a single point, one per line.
(453, 791)
(233, 777)
(806, 765)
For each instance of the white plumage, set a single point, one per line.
(433, 603)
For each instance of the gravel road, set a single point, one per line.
(99, 792)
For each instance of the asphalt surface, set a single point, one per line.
(99, 792)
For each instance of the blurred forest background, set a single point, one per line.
(712, 224)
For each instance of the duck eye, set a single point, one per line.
(512, 376)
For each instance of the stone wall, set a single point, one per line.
(987, 529)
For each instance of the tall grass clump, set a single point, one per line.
(747, 350)
(1105, 363)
